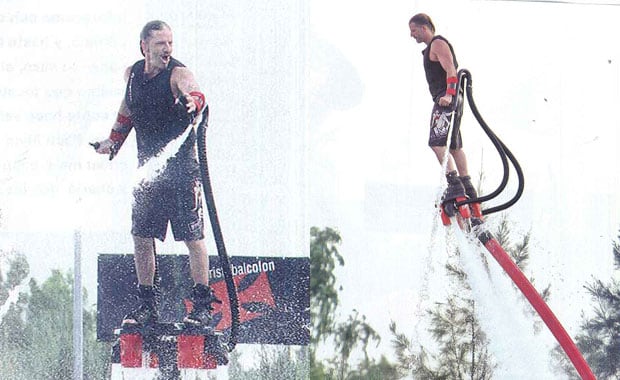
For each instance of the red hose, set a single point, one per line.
(541, 308)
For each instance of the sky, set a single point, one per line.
(545, 79)
(71, 64)
(319, 114)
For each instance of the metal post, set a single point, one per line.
(78, 332)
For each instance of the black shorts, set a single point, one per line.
(159, 202)
(440, 123)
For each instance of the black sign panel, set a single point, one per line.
(273, 295)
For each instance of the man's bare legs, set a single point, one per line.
(440, 152)
(198, 261)
(459, 182)
(144, 260)
(460, 160)
(202, 295)
(456, 159)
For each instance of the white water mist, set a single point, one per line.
(520, 352)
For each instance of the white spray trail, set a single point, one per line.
(431, 276)
(12, 298)
(429, 271)
(156, 165)
(13, 293)
(520, 353)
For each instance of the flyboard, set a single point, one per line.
(469, 215)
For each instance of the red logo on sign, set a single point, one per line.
(255, 299)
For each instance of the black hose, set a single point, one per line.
(217, 231)
(466, 77)
(520, 187)
(504, 153)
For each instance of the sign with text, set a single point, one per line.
(274, 298)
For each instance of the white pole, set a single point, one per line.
(78, 332)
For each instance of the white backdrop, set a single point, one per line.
(319, 117)
(546, 80)
(62, 86)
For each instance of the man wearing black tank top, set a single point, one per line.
(440, 66)
(160, 101)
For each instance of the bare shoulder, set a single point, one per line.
(181, 73)
(439, 48)
(183, 81)
(127, 73)
(439, 44)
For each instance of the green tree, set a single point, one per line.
(282, 363)
(235, 369)
(600, 337)
(49, 319)
(18, 271)
(348, 335)
(354, 333)
(12, 327)
(324, 257)
(38, 332)
(381, 370)
(274, 362)
(462, 351)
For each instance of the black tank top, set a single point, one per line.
(435, 74)
(156, 119)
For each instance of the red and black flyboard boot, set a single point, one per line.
(199, 344)
(131, 338)
(146, 313)
(202, 298)
(453, 194)
(470, 192)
